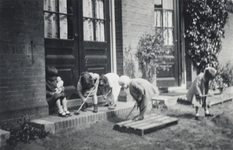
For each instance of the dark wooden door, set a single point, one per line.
(66, 44)
(167, 19)
(95, 41)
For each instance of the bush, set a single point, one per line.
(205, 21)
(23, 131)
(224, 77)
(151, 54)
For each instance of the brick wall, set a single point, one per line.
(226, 53)
(137, 19)
(22, 60)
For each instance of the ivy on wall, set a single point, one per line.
(205, 21)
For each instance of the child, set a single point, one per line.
(110, 88)
(55, 94)
(86, 82)
(142, 91)
(199, 89)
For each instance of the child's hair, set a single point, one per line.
(86, 80)
(103, 80)
(210, 73)
(51, 71)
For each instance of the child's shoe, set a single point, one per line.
(67, 113)
(208, 115)
(111, 107)
(62, 114)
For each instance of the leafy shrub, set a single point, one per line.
(204, 29)
(151, 54)
(224, 77)
(24, 131)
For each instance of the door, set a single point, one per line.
(167, 20)
(95, 45)
(76, 39)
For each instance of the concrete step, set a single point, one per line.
(54, 123)
(4, 135)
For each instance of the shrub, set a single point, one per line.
(224, 77)
(23, 131)
(204, 29)
(151, 54)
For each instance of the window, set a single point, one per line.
(93, 20)
(58, 19)
(163, 13)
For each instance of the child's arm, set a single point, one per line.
(95, 76)
(79, 91)
(139, 88)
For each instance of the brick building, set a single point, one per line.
(76, 36)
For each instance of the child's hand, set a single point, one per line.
(84, 99)
(140, 98)
(58, 90)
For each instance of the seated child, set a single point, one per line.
(142, 91)
(110, 89)
(199, 89)
(87, 81)
(55, 94)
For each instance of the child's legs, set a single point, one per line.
(94, 99)
(59, 106)
(205, 106)
(64, 103)
(197, 111)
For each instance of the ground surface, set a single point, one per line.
(206, 134)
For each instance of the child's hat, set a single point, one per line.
(210, 73)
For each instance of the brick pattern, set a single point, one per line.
(133, 19)
(76, 122)
(22, 60)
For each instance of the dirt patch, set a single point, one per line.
(206, 134)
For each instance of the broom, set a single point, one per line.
(78, 111)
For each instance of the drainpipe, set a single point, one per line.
(112, 36)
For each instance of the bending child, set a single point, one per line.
(110, 89)
(55, 91)
(199, 90)
(142, 91)
(87, 81)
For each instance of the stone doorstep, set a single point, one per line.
(4, 135)
(55, 124)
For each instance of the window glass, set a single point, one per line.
(167, 18)
(158, 18)
(163, 19)
(93, 20)
(58, 23)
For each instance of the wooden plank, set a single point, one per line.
(158, 120)
(148, 124)
(140, 121)
(169, 120)
(128, 121)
